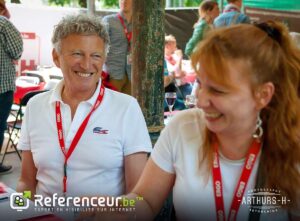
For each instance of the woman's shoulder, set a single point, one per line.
(201, 24)
(189, 114)
(187, 120)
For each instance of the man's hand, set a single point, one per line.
(179, 53)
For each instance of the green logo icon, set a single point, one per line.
(27, 194)
(20, 201)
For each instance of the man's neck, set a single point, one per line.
(73, 99)
(127, 15)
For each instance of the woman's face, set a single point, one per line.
(228, 111)
(214, 12)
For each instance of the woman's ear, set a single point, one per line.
(264, 94)
(55, 58)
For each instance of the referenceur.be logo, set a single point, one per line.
(20, 201)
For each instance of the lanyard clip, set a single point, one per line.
(65, 170)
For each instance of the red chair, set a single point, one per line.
(23, 87)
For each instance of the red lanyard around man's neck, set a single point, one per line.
(77, 135)
(241, 186)
(127, 33)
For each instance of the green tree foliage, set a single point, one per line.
(82, 3)
(59, 2)
(111, 3)
(192, 3)
(114, 3)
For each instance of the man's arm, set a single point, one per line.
(134, 165)
(27, 180)
(168, 79)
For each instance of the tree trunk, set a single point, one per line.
(147, 61)
(90, 7)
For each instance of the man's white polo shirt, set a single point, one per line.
(116, 129)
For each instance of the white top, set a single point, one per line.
(96, 166)
(177, 151)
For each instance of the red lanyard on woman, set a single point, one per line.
(127, 33)
(77, 135)
(241, 186)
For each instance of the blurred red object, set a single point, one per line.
(22, 89)
(105, 79)
(2, 188)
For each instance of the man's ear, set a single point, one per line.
(264, 94)
(55, 58)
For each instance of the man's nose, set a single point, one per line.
(86, 63)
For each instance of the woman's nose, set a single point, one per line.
(203, 99)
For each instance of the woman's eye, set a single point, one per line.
(217, 91)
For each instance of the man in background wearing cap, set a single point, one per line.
(11, 48)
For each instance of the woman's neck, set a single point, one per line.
(234, 148)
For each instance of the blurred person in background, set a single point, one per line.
(118, 63)
(11, 48)
(231, 15)
(174, 59)
(208, 11)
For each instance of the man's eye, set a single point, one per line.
(97, 56)
(77, 54)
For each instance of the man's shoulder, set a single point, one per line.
(232, 17)
(110, 17)
(227, 15)
(39, 98)
(119, 97)
(4, 20)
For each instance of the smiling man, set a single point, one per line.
(82, 139)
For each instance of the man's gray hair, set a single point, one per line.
(81, 24)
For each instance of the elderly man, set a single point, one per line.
(231, 14)
(11, 48)
(82, 139)
(118, 63)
